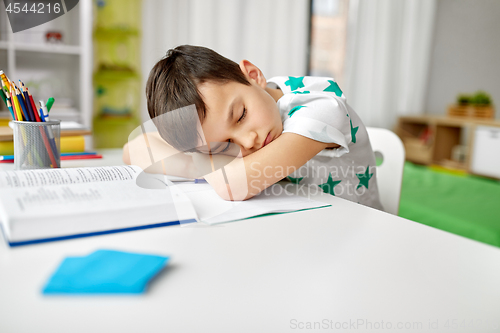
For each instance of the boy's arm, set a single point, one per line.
(149, 151)
(240, 178)
(245, 177)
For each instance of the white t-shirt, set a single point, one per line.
(316, 108)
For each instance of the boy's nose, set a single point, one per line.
(248, 141)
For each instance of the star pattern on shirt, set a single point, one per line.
(354, 130)
(364, 178)
(334, 87)
(295, 180)
(295, 82)
(297, 108)
(329, 186)
(301, 92)
(321, 136)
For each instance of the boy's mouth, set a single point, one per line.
(268, 139)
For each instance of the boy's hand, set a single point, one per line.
(150, 152)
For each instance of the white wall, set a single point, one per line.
(271, 34)
(466, 52)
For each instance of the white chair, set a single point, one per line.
(390, 172)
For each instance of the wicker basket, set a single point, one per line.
(485, 112)
(417, 151)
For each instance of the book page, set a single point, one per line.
(68, 209)
(212, 209)
(44, 177)
(76, 199)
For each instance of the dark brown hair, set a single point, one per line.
(172, 84)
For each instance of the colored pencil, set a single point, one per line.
(2, 94)
(5, 79)
(25, 100)
(17, 112)
(19, 101)
(7, 94)
(28, 103)
(10, 106)
(48, 147)
(10, 109)
(16, 103)
(20, 98)
(33, 106)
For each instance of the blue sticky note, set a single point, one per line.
(105, 272)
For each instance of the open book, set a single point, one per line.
(53, 204)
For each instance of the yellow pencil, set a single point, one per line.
(15, 106)
(18, 106)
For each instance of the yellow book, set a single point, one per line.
(72, 144)
(69, 144)
(6, 147)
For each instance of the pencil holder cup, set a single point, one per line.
(37, 144)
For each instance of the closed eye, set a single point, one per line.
(243, 115)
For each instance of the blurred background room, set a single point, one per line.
(429, 70)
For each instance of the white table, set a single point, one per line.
(343, 265)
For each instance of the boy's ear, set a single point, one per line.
(252, 72)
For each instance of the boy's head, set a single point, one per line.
(231, 101)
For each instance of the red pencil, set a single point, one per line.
(33, 106)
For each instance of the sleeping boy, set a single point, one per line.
(253, 132)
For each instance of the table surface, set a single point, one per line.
(346, 266)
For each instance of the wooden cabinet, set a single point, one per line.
(449, 142)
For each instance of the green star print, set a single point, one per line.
(297, 108)
(321, 136)
(353, 132)
(295, 180)
(301, 92)
(295, 82)
(333, 87)
(329, 185)
(364, 178)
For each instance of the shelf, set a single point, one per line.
(100, 32)
(48, 48)
(43, 48)
(115, 75)
(445, 142)
(61, 69)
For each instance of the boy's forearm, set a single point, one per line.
(245, 177)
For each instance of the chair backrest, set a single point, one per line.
(390, 172)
